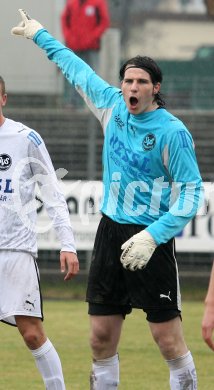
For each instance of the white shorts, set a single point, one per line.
(19, 286)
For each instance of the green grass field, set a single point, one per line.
(142, 367)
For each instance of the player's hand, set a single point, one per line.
(27, 27)
(207, 326)
(69, 263)
(137, 251)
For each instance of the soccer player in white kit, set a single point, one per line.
(25, 162)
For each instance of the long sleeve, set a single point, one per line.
(52, 196)
(187, 192)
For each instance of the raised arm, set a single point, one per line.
(96, 92)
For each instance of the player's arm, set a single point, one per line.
(187, 191)
(55, 203)
(184, 172)
(208, 317)
(97, 93)
(69, 264)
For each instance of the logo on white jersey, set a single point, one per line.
(5, 162)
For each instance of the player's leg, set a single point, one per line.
(108, 303)
(43, 351)
(165, 323)
(104, 339)
(20, 294)
(159, 291)
(169, 337)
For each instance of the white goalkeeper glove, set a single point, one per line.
(137, 251)
(27, 27)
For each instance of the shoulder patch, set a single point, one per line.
(32, 136)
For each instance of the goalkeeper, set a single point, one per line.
(152, 188)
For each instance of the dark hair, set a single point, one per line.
(150, 66)
(2, 83)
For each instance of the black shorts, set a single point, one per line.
(115, 290)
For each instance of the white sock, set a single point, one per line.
(49, 365)
(105, 374)
(182, 373)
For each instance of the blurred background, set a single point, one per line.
(179, 35)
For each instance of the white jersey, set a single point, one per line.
(24, 161)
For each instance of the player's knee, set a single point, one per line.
(167, 343)
(32, 338)
(100, 342)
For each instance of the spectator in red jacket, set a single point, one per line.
(83, 23)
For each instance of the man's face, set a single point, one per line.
(139, 91)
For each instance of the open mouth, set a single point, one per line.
(133, 101)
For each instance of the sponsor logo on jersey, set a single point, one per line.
(119, 122)
(125, 158)
(149, 142)
(5, 162)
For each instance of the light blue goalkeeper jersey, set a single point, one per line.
(150, 172)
